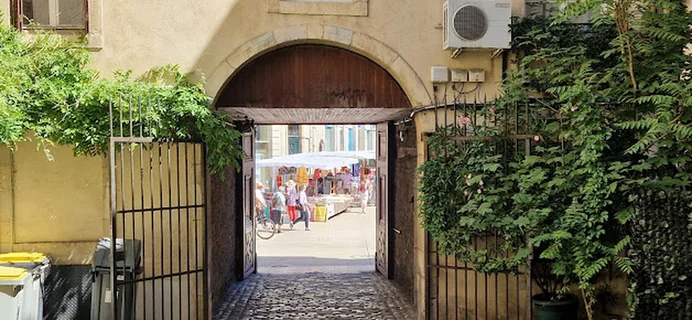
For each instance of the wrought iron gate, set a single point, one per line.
(454, 290)
(158, 215)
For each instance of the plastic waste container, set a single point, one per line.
(37, 266)
(128, 259)
(17, 294)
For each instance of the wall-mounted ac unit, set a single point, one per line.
(476, 24)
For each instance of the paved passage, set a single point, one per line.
(325, 273)
(345, 243)
(364, 295)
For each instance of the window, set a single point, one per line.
(351, 140)
(329, 138)
(52, 14)
(361, 138)
(294, 130)
(293, 139)
(371, 139)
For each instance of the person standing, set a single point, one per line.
(346, 178)
(260, 203)
(292, 195)
(304, 208)
(278, 207)
(364, 195)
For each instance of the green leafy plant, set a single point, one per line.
(613, 125)
(47, 91)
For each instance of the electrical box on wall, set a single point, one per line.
(439, 74)
(476, 75)
(460, 75)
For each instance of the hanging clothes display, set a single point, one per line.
(302, 176)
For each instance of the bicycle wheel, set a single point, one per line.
(266, 229)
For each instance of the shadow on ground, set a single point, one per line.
(314, 264)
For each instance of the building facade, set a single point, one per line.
(281, 140)
(216, 39)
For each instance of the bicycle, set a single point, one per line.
(266, 228)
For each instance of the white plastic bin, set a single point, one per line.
(38, 267)
(18, 292)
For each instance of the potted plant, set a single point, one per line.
(553, 303)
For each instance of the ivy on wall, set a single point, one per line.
(614, 126)
(48, 92)
(661, 286)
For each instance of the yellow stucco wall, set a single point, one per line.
(61, 207)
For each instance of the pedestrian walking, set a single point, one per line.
(304, 208)
(260, 203)
(292, 198)
(364, 195)
(278, 207)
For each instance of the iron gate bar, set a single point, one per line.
(194, 181)
(205, 253)
(187, 226)
(180, 258)
(144, 224)
(170, 226)
(153, 240)
(163, 290)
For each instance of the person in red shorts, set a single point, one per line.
(292, 198)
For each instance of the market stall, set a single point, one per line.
(329, 183)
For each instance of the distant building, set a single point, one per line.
(280, 140)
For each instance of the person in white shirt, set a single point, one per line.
(260, 202)
(304, 208)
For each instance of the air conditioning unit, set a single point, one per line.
(476, 24)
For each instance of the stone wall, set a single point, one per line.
(223, 234)
(403, 207)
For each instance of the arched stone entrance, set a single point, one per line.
(315, 84)
(312, 84)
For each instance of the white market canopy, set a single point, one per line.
(307, 161)
(318, 160)
(360, 155)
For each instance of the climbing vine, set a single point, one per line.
(618, 127)
(48, 93)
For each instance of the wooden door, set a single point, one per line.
(249, 222)
(383, 184)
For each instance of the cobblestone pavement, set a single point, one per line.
(364, 295)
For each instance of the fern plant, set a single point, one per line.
(618, 125)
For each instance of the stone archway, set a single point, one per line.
(382, 82)
(314, 84)
(356, 42)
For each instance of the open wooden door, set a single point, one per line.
(249, 252)
(383, 184)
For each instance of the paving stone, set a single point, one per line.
(364, 295)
